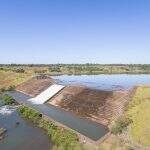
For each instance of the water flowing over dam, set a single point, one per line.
(47, 94)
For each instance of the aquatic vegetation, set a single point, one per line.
(62, 138)
(8, 100)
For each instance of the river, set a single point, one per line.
(21, 134)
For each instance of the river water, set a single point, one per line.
(21, 136)
(105, 82)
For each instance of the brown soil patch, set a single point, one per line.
(97, 105)
(35, 86)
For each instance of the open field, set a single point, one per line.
(138, 111)
(9, 78)
(13, 76)
(136, 135)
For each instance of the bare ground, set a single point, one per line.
(35, 86)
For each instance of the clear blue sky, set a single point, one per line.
(75, 31)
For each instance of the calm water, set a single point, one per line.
(105, 82)
(23, 136)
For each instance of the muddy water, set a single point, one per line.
(23, 136)
(105, 82)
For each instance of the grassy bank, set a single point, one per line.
(133, 127)
(63, 139)
(138, 111)
(9, 78)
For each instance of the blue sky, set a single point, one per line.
(74, 31)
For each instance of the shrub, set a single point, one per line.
(120, 125)
(19, 70)
(8, 100)
(61, 137)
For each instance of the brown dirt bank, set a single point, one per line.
(35, 85)
(97, 105)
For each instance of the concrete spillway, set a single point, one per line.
(47, 94)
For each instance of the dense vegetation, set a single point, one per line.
(8, 100)
(79, 68)
(98, 69)
(62, 138)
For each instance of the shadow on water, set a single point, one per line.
(21, 134)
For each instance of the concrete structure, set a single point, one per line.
(47, 94)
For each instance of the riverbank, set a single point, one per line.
(138, 111)
(60, 137)
(131, 129)
(21, 133)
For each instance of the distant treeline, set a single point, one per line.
(81, 68)
(61, 64)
